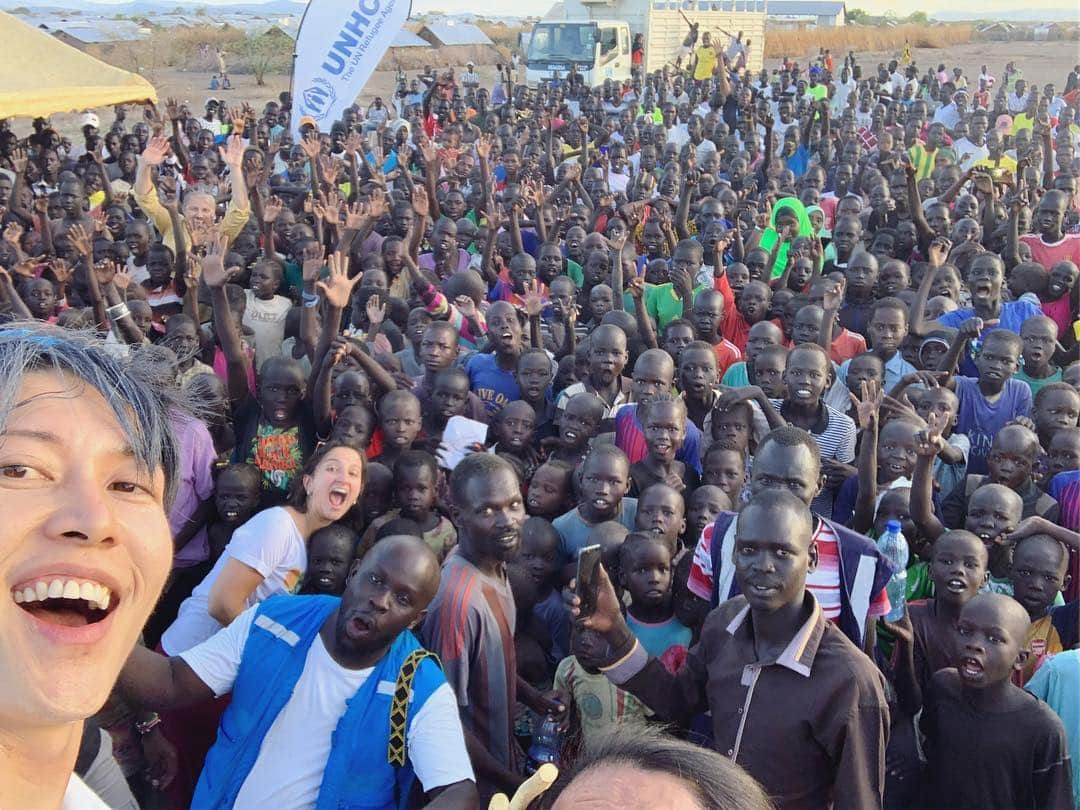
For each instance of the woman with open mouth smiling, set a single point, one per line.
(87, 465)
(266, 556)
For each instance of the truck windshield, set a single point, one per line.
(563, 42)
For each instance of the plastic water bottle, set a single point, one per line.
(546, 743)
(893, 546)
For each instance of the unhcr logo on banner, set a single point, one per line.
(318, 99)
(328, 79)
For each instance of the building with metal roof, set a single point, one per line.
(822, 13)
(407, 39)
(452, 32)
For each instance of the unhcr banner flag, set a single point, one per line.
(338, 47)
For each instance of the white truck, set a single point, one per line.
(596, 36)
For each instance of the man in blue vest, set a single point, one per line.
(334, 702)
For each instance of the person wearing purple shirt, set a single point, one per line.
(994, 398)
(441, 261)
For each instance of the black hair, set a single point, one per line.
(472, 466)
(399, 525)
(397, 397)
(454, 372)
(780, 499)
(723, 446)
(677, 322)
(779, 351)
(336, 531)
(1011, 339)
(445, 326)
(791, 436)
(1054, 386)
(635, 540)
(245, 471)
(816, 348)
(645, 408)
(889, 302)
(414, 460)
(604, 451)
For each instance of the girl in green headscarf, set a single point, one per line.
(787, 212)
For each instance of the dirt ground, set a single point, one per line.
(1041, 62)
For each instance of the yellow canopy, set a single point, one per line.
(40, 75)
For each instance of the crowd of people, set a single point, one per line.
(727, 327)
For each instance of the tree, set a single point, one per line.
(856, 15)
(263, 55)
(919, 17)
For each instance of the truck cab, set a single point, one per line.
(597, 49)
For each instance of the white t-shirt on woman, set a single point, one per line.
(269, 543)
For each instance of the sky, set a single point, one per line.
(1065, 9)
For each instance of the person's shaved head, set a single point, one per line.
(386, 594)
(412, 557)
(1000, 609)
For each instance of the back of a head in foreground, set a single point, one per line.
(634, 767)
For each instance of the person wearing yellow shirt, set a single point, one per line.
(199, 209)
(923, 155)
(705, 65)
(997, 157)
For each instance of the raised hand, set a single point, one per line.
(13, 231)
(466, 306)
(532, 302)
(157, 149)
(938, 251)
(973, 327)
(429, 152)
(19, 158)
(311, 145)
(105, 272)
(61, 271)
(272, 208)
(483, 146)
(193, 271)
(121, 279)
(420, 201)
(338, 287)
(929, 442)
(80, 240)
(233, 154)
(355, 215)
(376, 311)
(353, 142)
(213, 263)
(868, 403)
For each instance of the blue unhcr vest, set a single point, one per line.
(367, 766)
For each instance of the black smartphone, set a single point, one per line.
(588, 563)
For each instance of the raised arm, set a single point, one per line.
(918, 218)
(228, 334)
(928, 443)
(646, 328)
(936, 253)
(868, 409)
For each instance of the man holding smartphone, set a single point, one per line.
(769, 667)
